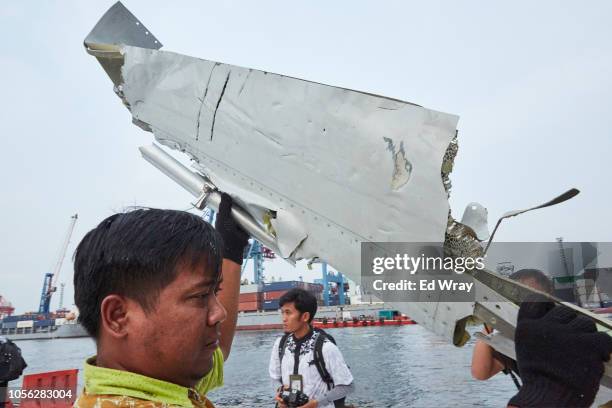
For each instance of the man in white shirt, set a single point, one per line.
(306, 358)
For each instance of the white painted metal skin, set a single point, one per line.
(313, 154)
(335, 167)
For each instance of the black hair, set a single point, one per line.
(136, 254)
(303, 301)
(544, 283)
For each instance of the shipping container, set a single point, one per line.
(44, 323)
(249, 306)
(313, 287)
(25, 323)
(9, 325)
(273, 295)
(284, 285)
(254, 288)
(249, 297)
(388, 314)
(25, 317)
(59, 322)
(270, 305)
(18, 318)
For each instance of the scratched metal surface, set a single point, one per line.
(336, 166)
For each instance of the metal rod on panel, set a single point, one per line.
(206, 193)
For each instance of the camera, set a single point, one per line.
(294, 398)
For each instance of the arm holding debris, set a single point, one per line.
(560, 356)
(228, 297)
(234, 241)
(484, 363)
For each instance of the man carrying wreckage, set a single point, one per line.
(487, 362)
(147, 284)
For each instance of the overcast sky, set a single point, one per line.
(530, 80)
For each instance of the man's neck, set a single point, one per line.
(301, 332)
(104, 360)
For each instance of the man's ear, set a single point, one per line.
(114, 316)
(305, 317)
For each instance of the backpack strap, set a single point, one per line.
(320, 364)
(326, 334)
(319, 361)
(282, 346)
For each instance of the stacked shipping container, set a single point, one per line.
(250, 298)
(266, 296)
(19, 324)
(273, 291)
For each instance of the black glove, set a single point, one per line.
(560, 356)
(234, 237)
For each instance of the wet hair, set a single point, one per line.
(136, 254)
(544, 283)
(303, 301)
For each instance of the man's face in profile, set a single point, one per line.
(175, 341)
(293, 319)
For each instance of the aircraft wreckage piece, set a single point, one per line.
(315, 169)
(310, 162)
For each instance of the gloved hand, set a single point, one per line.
(560, 356)
(234, 237)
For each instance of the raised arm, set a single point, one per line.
(228, 296)
(484, 364)
(234, 241)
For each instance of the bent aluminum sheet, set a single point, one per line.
(323, 168)
(338, 167)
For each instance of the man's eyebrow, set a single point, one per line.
(204, 283)
(207, 282)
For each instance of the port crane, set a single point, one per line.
(328, 277)
(257, 252)
(50, 280)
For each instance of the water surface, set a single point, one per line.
(402, 366)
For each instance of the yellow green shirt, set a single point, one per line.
(106, 387)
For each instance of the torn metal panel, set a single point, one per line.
(269, 134)
(117, 27)
(319, 169)
(337, 167)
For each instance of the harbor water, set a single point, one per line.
(404, 366)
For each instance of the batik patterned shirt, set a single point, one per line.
(313, 384)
